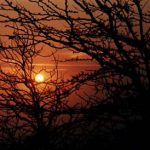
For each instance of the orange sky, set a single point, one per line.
(62, 54)
(68, 68)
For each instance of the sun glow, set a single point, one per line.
(39, 78)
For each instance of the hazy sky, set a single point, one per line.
(62, 54)
(32, 6)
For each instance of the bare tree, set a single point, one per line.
(29, 107)
(115, 34)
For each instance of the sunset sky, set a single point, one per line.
(74, 74)
(60, 55)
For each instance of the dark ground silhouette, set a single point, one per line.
(121, 125)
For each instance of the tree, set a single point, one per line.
(29, 107)
(115, 34)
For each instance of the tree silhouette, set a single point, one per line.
(28, 107)
(115, 34)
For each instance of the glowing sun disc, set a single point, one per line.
(39, 78)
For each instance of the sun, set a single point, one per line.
(39, 78)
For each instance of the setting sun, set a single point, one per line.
(39, 78)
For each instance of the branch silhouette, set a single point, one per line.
(114, 34)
